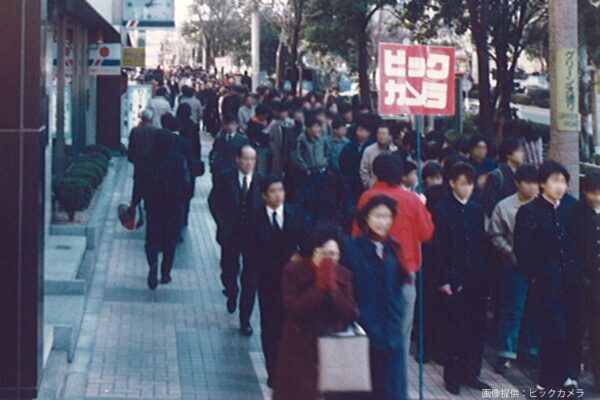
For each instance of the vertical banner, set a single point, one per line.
(567, 90)
(416, 80)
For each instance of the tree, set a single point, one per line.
(342, 27)
(289, 16)
(500, 30)
(220, 26)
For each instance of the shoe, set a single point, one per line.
(502, 365)
(571, 384)
(153, 278)
(270, 383)
(452, 387)
(529, 360)
(231, 304)
(246, 330)
(477, 384)
(165, 279)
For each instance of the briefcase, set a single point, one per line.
(344, 361)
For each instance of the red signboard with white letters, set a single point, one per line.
(416, 80)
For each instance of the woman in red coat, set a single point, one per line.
(318, 299)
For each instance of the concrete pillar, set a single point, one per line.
(22, 143)
(564, 136)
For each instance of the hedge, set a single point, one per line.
(99, 148)
(73, 194)
(74, 190)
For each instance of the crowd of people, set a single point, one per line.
(330, 214)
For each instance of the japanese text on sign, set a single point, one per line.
(567, 90)
(416, 79)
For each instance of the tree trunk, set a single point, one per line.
(486, 105)
(363, 65)
(478, 15)
(278, 61)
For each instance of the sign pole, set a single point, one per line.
(419, 126)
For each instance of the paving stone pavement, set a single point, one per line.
(178, 342)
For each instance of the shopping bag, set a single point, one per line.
(127, 216)
(344, 364)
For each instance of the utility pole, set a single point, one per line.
(255, 44)
(564, 89)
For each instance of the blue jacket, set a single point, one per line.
(377, 291)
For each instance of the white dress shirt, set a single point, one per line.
(241, 179)
(279, 211)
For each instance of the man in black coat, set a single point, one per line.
(235, 197)
(140, 145)
(164, 182)
(462, 278)
(545, 246)
(588, 250)
(350, 157)
(276, 234)
(226, 147)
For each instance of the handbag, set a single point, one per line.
(127, 216)
(344, 364)
(197, 168)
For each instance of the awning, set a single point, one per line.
(83, 12)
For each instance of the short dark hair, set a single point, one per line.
(230, 118)
(311, 121)
(388, 168)
(366, 123)
(431, 169)
(383, 125)
(462, 169)
(551, 167)
(161, 91)
(318, 110)
(262, 109)
(170, 122)
(322, 234)
(591, 182)
(409, 167)
(344, 107)
(526, 173)
(380, 200)
(509, 145)
(338, 123)
(475, 140)
(270, 179)
(433, 149)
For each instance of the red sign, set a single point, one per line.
(416, 80)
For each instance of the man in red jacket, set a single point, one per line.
(412, 224)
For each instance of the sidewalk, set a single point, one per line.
(178, 342)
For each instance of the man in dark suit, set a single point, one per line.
(226, 146)
(276, 234)
(235, 197)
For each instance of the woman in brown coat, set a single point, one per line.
(318, 299)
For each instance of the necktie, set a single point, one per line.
(244, 186)
(228, 137)
(275, 222)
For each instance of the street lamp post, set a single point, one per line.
(255, 44)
